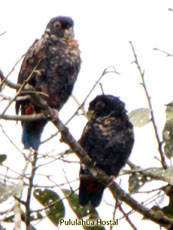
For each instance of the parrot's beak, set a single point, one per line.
(69, 33)
(90, 114)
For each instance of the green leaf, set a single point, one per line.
(169, 111)
(82, 211)
(6, 191)
(9, 219)
(95, 227)
(168, 149)
(140, 117)
(168, 174)
(54, 206)
(33, 217)
(136, 181)
(167, 135)
(73, 200)
(3, 157)
(168, 210)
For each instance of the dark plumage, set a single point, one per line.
(108, 139)
(58, 59)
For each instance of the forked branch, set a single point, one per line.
(163, 162)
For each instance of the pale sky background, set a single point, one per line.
(103, 29)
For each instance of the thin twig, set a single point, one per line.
(30, 186)
(114, 212)
(3, 33)
(9, 83)
(163, 162)
(5, 98)
(164, 52)
(127, 217)
(49, 138)
(68, 182)
(9, 139)
(21, 88)
(17, 208)
(79, 106)
(33, 117)
(101, 87)
(105, 71)
(5, 79)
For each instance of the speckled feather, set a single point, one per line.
(108, 139)
(58, 58)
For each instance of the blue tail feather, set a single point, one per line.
(32, 134)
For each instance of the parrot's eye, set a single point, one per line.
(99, 105)
(58, 25)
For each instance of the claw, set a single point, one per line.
(112, 178)
(55, 115)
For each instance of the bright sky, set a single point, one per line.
(103, 29)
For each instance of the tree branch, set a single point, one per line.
(8, 83)
(22, 87)
(4, 81)
(3, 33)
(127, 217)
(17, 208)
(163, 162)
(147, 213)
(165, 52)
(33, 117)
(29, 191)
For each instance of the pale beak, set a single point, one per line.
(90, 114)
(69, 33)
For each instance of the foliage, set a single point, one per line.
(53, 204)
(140, 117)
